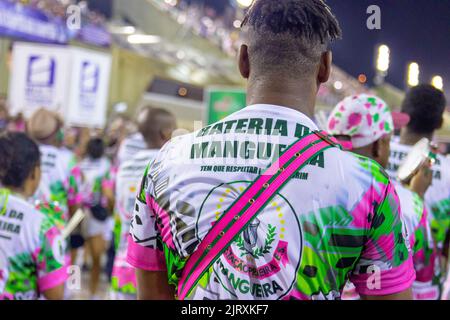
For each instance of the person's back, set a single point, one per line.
(31, 251)
(94, 173)
(60, 177)
(128, 179)
(426, 105)
(339, 215)
(155, 126)
(56, 172)
(130, 146)
(299, 234)
(32, 261)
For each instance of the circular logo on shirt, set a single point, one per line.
(262, 262)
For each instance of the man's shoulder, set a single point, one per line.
(358, 166)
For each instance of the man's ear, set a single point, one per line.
(325, 67)
(244, 62)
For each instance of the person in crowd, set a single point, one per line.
(98, 203)
(32, 262)
(365, 124)
(132, 144)
(261, 205)
(60, 178)
(156, 126)
(426, 105)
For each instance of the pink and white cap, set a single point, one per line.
(364, 119)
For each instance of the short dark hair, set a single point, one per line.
(95, 148)
(152, 121)
(290, 34)
(425, 105)
(19, 156)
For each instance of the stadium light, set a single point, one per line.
(244, 3)
(383, 59)
(143, 39)
(413, 74)
(438, 82)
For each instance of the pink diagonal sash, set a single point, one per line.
(196, 265)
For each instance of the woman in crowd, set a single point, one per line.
(95, 169)
(32, 263)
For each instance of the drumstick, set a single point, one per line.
(73, 223)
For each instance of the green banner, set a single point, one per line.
(221, 102)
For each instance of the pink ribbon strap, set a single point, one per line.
(240, 213)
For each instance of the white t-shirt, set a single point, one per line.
(130, 146)
(31, 250)
(128, 180)
(336, 218)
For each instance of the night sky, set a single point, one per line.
(415, 30)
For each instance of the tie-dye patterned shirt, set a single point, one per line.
(336, 219)
(128, 180)
(60, 179)
(31, 250)
(437, 199)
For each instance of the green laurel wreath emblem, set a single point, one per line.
(259, 252)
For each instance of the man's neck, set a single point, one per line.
(154, 146)
(300, 96)
(410, 138)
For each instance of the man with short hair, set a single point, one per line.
(425, 106)
(156, 127)
(260, 206)
(365, 124)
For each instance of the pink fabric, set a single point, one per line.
(76, 200)
(225, 240)
(6, 296)
(364, 206)
(391, 281)
(166, 231)
(53, 279)
(125, 275)
(145, 258)
(108, 184)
